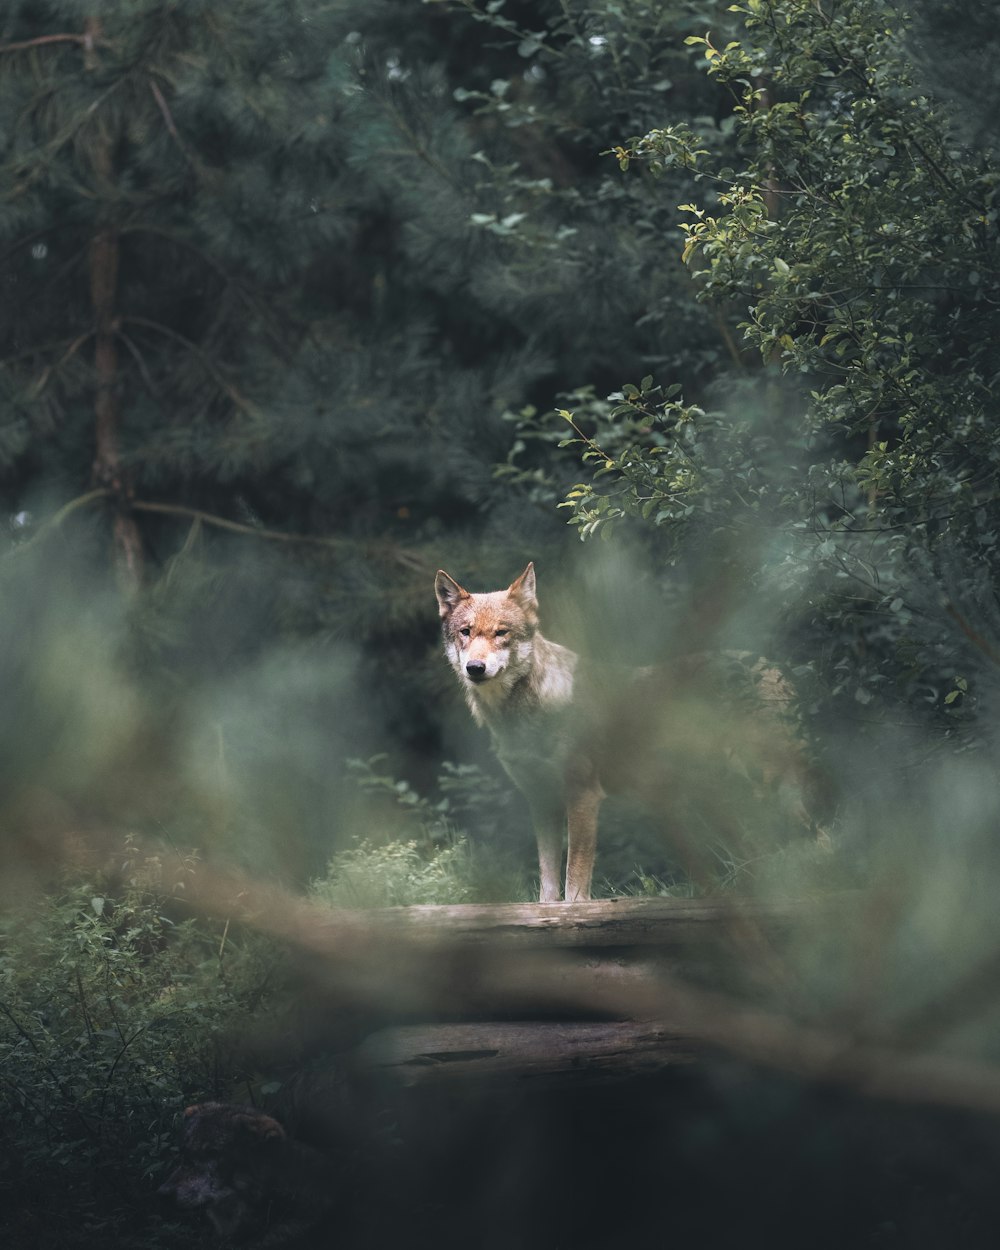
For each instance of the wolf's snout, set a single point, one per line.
(476, 669)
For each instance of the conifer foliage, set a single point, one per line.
(296, 279)
(163, 170)
(289, 265)
(306, 298)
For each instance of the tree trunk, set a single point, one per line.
(550, 1051)
(675, 925)
(103, 265)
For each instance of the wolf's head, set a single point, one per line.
(488, 637)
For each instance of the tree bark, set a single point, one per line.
(665, 924)
(360, 971)
(430, 1054)
(103, 260)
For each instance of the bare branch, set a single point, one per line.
(237, 527)
(84, 41)
(245, 405)
(164, 108)
(43, 378)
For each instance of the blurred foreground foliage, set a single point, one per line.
(305, 301)
(284, 337)
(116, 1009)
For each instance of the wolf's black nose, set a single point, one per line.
(476, 669)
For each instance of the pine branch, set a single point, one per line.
(401, 555)
(140, 364)
(244, 405)
(258, 307)
(168, 509)
(168, 118)
(49, 369)
(54, 522)
(87, 41)
(59, 141)
(238, 527)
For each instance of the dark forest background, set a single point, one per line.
(694, 305)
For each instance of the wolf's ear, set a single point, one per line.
(448, 592)
(523, 588)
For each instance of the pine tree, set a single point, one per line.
(163, 172)
(282, 276)
(245, 280)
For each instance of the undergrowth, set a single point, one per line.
(116, 1009)
(396, 874)
(455, 844)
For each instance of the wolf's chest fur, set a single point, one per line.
(536, 743)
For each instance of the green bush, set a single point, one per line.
(447, 846)
(115, 1011)
(395, 875)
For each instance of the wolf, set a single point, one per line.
(569, 733)
(255, 1184)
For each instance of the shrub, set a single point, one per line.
(115, 1011)
(395, 875)
(454, 844)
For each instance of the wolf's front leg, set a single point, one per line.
(581, 827)
(549, 822)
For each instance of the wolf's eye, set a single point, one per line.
(465, 631)
(501, 633)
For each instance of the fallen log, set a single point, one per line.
(381, 971)
(529, 1050)
(668, 924)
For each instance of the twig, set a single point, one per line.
(245, 405)
(58, 1082)
(400, 554)
(164, 108)
(53, 523)
(85, 41)
(588, 442)
(47, 372)
(237, 527)
(727, 338)
(977, 640)
(140, 364)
